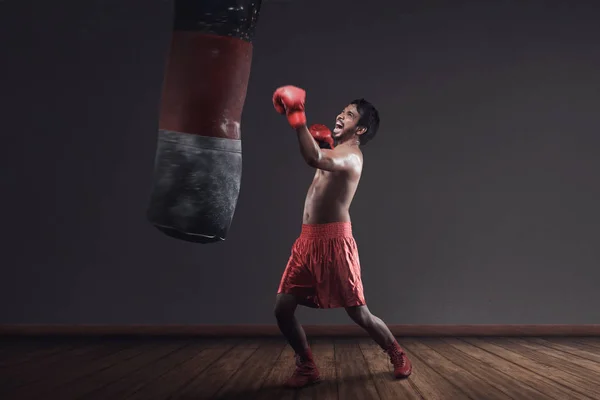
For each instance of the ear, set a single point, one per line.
(361, 130)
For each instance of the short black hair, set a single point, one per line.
(369, 118)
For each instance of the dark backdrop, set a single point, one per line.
(478, 203)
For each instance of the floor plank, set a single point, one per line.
(353, 376)
(381, 370)
(510, 386)
(16, 352)
(559, 368)
(206, 384)
(575, 364)
(283, 367)
(589, 341)
(150, 352)
(430, 384)
(250, 377)
(506, 367)
(324, 352)
(36, 370)
(514, 355)
(584, 372)
(574, 348)
(131, 383)
(470, 384)
(179, 377)
(70, 372)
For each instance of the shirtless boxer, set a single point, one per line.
(323, 270)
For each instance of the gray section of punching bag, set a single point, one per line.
(196, 186)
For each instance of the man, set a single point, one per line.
(323, 270)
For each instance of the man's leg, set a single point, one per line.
(381, 334)
(285, 309)
(306, 372)
(374, 326)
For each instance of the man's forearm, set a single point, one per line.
(308, 146)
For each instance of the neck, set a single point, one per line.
(349, 141)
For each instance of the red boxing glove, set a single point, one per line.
(289, 100)
(321, 134)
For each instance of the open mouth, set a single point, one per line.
(338, 126)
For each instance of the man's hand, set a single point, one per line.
(322, 134)
(289, 100)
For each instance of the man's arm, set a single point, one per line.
(289, 100)
(328, 160)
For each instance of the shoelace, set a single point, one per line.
(396, 356)
(301, 367)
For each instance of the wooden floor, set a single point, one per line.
(352, 368)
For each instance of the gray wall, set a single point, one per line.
(479, 199)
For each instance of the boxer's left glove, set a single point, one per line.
(289, 100)
(322, 134)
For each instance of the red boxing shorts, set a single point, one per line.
(323, 270)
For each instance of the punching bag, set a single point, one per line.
(198, 164)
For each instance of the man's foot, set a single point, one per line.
(402, 365)
(306, 372)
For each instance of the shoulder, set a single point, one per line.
(344, 152)
(352, 155)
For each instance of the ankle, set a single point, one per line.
(305, 355)
(391, 345)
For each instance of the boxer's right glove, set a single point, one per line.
(289, 100)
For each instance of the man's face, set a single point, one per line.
(346, 123)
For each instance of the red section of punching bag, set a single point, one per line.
(205, 84)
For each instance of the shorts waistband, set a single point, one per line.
(326, 231)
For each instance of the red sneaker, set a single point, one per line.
(402, 365)
(306, 372)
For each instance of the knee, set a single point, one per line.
(361, 316)
(280, 311)
(284, 309)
